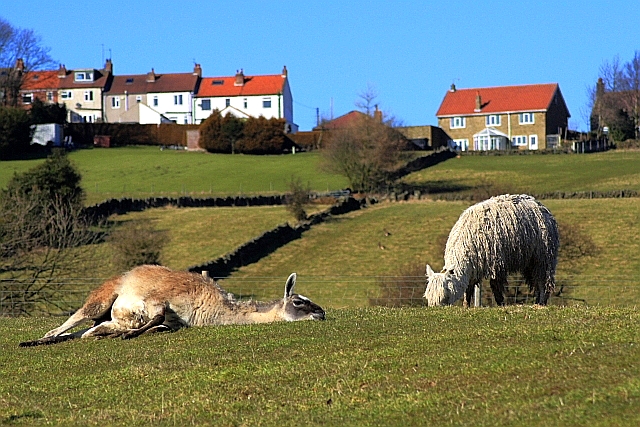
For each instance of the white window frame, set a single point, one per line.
(458, 122)
(266, 102)
(245, 103)
(177, 99)
(50, 96)
(138, 98)
(115, 102)
(493, 120)
(533, 142)
(155, 101)
(227, 102)
(526, 118)
(83, 76)
(66, 94)
(462, 143)
(27, 98)
(205, 105)
(520, 141)
(88, 95)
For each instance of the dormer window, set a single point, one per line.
(83, 76)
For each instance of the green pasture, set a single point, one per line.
(607, 171)
(513, 366)
(141, 172)
(340, 263)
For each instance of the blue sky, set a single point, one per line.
(409, 51)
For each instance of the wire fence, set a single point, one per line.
(331, 292)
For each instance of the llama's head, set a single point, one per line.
(440, 288)
(298, 307)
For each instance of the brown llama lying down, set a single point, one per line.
(151, 298)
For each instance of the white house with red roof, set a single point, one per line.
(533, 117)
(246, 96)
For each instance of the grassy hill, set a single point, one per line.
(392, 367)
(141, 172)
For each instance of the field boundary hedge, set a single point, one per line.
(271, 240)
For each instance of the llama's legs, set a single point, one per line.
(151, 326)
(497, 287)
(468, 295)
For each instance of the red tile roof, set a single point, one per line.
(137, 83)
(500, 99)
(341, 122)
(40, 80)
(253, 85)
(100, 79)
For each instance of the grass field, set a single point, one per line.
(141, 172)
(611, 170)
(515, 366)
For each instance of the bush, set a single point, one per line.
(405, 288)
(136, 243)
(263, 136)
(15, 132)
(298, 198)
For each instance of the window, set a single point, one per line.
(460, 144)
(519, 141)
(84, 76)
(115, 102)
(526, 118)
(245, 103)
(27, 98)
(266, 103)
(493, 120)
(88, 95)
(138, 98)
(155, 101)
(227, 102)
(66, 94)
(177, 99)
(217, 82)
(457, 123)
(206, 104)
(50, 96)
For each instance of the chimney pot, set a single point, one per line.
(239, 78)
(478, 102)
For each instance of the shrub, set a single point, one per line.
(15, 132)
(263, 136)
(298, 198)
(136, 243)
(405, 288)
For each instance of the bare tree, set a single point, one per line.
(366, 100)
(366, 152)
(631, 91)
(34, 255)
(20, 52)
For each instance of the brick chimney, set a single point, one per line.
(239, 78)
(478, 102)
(285, 72)
(453, 87)
(62, 71)
(377, 115)
(108, 67)
(197, 70)
(19, 65)
(151, 76)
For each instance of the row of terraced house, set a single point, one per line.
(533, 117)
(97, 95)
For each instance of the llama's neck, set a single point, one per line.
(218, 308)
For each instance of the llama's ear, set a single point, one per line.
(288, 287)
(429, 271)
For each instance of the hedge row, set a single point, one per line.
(124, 205)
(614, 194)
(263, 245)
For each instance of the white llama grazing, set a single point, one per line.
(496, 237)
(151, 298)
